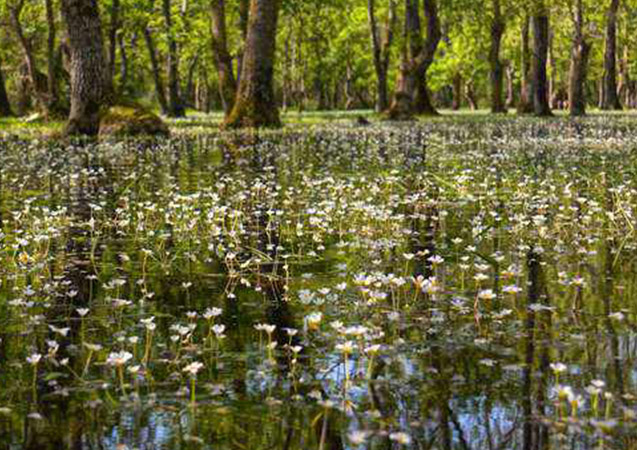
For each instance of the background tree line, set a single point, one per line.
(402, 57)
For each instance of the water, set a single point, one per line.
(458, 284)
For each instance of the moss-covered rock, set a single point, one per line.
(131, 120)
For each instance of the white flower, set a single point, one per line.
(558, 367)
(345, 348)
(34, 359)
(193, 368)
(118, 358)
(400, 437)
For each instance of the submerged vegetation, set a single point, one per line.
(451, 284)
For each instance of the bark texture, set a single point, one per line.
(255, 105)
(579, 66)
(610, 99)
(540, 22)
(381, 46)
(497, 69)
(90, 83)
(222, 57)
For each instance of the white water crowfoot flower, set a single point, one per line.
(119, 359)
(400, 438)
(192, 369)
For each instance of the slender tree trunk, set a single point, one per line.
(610, 99)
(525, 105)
(53, 101)
(381, 46)
(255, 105)
(510, 74)
(540, 22)
(456, 102)
(175, 106)
(244, 13)
(38, 80)
(5, 106)
(497, 70)
(123, 65)
(222, 57)
(579, 66)
(90, 89)
(112, 37)
(189, 96)
(625, 81)
(160, 91)
(471, 95)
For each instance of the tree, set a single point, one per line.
(610, 99)
(579, 65)
(91, 87)
(221, 55)
(5, 106)
(412, 96)
(175, 106)
(525, 105)
(497, 69)
(255, 104)
(539, 82)
(381, 45)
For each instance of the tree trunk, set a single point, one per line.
(123, 65)
(5, 106)
(175, 106)
(90, 89)
(38, 80)
(579, 66)
(625, 80)
(54, 106)
(112, 37)
(222, 57)
(412, 96)
(244, 13)
(539, 83)
(610, 99)
(381, 50)
(189, 95)
(497, 71)
(525, 105)
(255, 105)
(456, 102)
(159, 82)
(471, 96)
(510, 73)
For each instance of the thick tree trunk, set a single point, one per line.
(525, 105)
(610, 99)
(412, 96)
(160, 91)
(381, 46)
(579, 66)
(497, 70)
(539, 83)
(175, 106)
(5, 106)
(222, 57)
(255, 105)
(90, 83)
